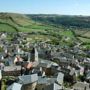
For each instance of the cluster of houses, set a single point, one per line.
(42, 66)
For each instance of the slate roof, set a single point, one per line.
(60, 78)
(28, 79)
(15, 86)
(12, 68)
(46, 63)
(46, 80)
(88, 75)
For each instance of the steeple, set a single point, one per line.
(34, 55)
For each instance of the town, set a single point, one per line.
(26, 65)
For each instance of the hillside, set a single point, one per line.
(32, 21)
(78, 25)
(64, 20)
(13, 22)
(58, 29)
(19, 22)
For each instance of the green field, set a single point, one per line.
(67, 33)
(7, 28)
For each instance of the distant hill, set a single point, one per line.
(12, 22)
(64, 20)
(26, 23)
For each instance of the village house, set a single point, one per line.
(28, 82)
(45, 83)
(12, 71)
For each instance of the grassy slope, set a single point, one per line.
(17, 21)
(20, 22)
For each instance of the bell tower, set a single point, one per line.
(34, 55)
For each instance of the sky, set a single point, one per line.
(62, 7)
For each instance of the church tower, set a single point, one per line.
(34, 55)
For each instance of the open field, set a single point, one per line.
(7, 28)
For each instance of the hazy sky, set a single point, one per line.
(65, 7)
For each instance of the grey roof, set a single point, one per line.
(12, 68)
(15, 86)
(60, 77)
(57, 87)
(88, 75)
(46, 80)
(42, 80)
(46, 63)
(27, 79)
